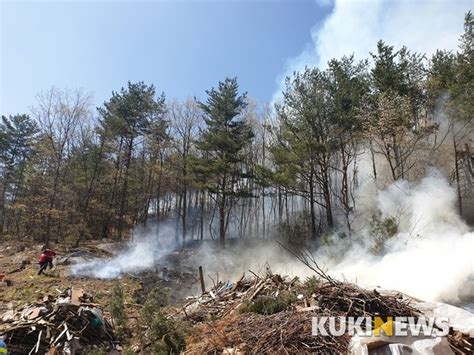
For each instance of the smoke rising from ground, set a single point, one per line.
(429, 257)
(147, 247)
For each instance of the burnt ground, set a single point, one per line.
(22, 285)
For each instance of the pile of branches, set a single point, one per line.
(345, 299)
(227, 297)
(69, 323)
(285, 332)
(461, 343)
(272, 314)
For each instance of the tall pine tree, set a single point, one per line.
(128, 116)
(222, 163)
(17, 135)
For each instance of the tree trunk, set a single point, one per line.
(327, 197)
(456, 172)
(51, 205)
(123, 199)
(2, 206)
(179, 202)
(106, 224)
(201, 222)
(311, 203)
(372, 155)
(185, 199)
(222, 221)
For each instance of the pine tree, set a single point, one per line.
(17, 134)
(395, 109)
(128, 115)
(222, 164)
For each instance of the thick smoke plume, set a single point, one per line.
(147, 247)
(354, 27)
(429, 257)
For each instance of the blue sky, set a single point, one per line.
(182, 47)
(185, 47)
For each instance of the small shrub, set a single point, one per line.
(270, 305)
(311, 285)
(297, 230)
(166, 335)
(327, 239)
(117, 309)
(342, 235)
(381, 230)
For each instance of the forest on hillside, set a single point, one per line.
(226, 167)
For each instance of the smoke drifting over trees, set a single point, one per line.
(224, 168)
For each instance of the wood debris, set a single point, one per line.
(69, 323)
(232, 318)
(461, 343)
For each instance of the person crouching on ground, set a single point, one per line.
(45, 260)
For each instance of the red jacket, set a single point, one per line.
(46, 256)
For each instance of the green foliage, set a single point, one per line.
(381, 230)
(451, 77)
(133, 111)
(219, 168)
(310, 286)
(225, 136)
(393, 109)
(117, 309)
(295, 231)
(156, 299)
(327, 239)
(166, 335)
(398, 72)
(319, 124)
(18, 134)
(267, 305)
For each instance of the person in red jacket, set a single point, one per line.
(45, 260)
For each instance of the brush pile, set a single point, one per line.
(461, 343)
(69, 323)
(274, 291)
(272, 314)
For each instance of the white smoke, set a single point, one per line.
(147, 247)
(431, 255)
(429, 258)
(354, 27)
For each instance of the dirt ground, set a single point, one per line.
(23, 285)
